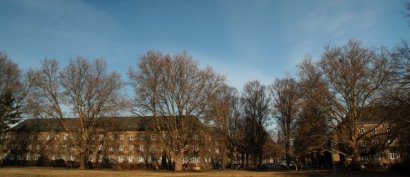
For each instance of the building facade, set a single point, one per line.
(127, 142)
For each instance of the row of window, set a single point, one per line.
(100, 147)
(101, 158)
(376, 142)
(372, 130)
(100, 137)
(392, 156)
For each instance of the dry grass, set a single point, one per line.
(61, 172)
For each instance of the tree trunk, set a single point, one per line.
(287, 154)
(179, 159)
(84, 150)
(356, 165)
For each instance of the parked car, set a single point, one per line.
(268, 166)
(292, 164)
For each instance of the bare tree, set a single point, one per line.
(355, 76)
(224, 116)
(286, 99)
(312, 131)
(397, 95)
(12, 93)
(256, 107)
(175, 91)
(84, 90)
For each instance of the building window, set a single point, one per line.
(101, 137)
(376, 156)
(131, 159)
(195, 137)
(361, 131)
(121, 137)
(121, 159)
(140, 159)
(48, 137)
(363, 143)
(153, 137)
(56, 137)
(374, 131)
(152, 148)
(142, 137)
(121, 148)
(112, 137)
(111, 148)
(55, 146)
(64, 146)
(100, 147)
(364, 157)
(393, 155)
(196, 148)
(131, 148)
(38, 147)
(132, 137)
(28, 147)
(39, 137)
(36, 156)
(195, 159)
(388, 130)
(65, 137)
(176, 148)
(72, 158)
(186, 147)
(73, 148)
(142, 148)
(375, 142)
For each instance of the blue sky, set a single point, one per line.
(242, 39)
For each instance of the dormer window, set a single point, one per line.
(361, 131)
(374, 131)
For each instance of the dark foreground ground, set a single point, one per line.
(63, 172)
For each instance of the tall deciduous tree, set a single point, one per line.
(224, 115)
(355, 76)
(312, 131)
(286, 98)
(12, 93)
(176, 92)
(82, 89)
(256, 108)
(397, 95)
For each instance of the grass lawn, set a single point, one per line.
(63, 172)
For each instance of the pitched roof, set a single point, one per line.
(108, 123)
(71, 124)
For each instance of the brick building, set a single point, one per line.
(126, 141)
